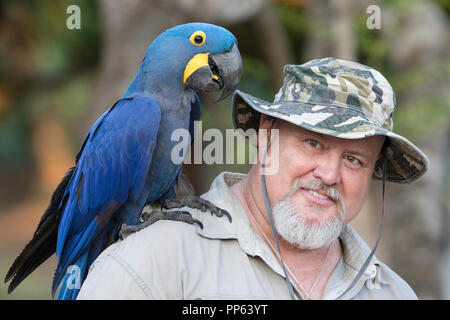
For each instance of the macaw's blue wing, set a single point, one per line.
(111, 170)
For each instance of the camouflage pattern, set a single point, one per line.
(340, 98)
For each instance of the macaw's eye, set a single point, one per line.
(198, 38)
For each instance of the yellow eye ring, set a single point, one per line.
(198, 38)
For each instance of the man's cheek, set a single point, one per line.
(353, 207)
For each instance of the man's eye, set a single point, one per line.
(313, 143)
(353, 160)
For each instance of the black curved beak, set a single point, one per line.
(227, 67)
(214, 72)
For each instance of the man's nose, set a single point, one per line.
(328, 169)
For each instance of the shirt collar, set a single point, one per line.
(355, 250)
(240, 229)
(355, 253)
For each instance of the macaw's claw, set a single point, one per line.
(148, 218)
(195, 202)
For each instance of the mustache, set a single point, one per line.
(319, 185)
(316, 185)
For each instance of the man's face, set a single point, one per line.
(317, 170)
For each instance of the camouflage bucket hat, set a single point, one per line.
(340, 98)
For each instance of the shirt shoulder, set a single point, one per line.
(396, 286)
(131, 268)
(378, 282)
(384, 284)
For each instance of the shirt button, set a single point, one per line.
(372, 271)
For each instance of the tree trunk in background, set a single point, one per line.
(319, 43)
(332, 29)
(343, 29)
(221, 12)
(274, 44)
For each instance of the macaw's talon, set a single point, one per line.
(149, 218)
(196, 202)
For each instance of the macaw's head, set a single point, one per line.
(200, 56)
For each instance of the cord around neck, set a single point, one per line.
(269, 214)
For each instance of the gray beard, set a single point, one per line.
(297, 232)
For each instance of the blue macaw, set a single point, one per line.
(125, 160)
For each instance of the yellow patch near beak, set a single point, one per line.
(198, 61)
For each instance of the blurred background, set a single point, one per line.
(55, 82)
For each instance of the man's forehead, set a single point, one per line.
(372, 143)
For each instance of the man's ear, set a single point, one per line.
(386, 143)
(265, 121)
(265, 125)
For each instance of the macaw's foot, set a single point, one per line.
(195, 202)
(148, 218)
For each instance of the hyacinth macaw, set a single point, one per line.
(125, 160)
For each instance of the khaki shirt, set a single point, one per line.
(175, 260)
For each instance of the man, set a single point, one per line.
(334, 122)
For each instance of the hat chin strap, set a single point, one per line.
(269, 214)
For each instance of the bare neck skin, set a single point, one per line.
(304, 264)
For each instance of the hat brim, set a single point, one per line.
(405, 162)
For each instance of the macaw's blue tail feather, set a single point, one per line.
(73, 279)
(76, 245)
(91, 252)
(107, 236)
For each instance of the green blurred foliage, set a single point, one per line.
(297, 25)
(370, 46)
(44, 67)
(14, 136)
(430, 113)
(445, 4)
